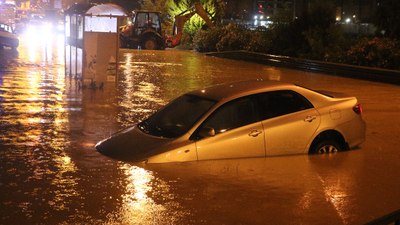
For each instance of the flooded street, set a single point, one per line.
(50, 172)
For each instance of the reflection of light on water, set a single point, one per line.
(65, 182)
(336, 194)
(146, 92)
(273, 73)
(138, 183)
(37, 112)
(138, 203)
(138, 207)
(138, 93)
(337, 197)
(305, 201)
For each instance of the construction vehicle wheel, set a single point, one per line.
(150, 44)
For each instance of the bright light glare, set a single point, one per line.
(39, 32)
(263, 23)
(60, 27)
(40, 39)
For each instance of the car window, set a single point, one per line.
(141, 20)
(278, 103)
(154, 22)
(177, 117)
(236, 113)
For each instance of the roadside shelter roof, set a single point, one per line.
(96, 9)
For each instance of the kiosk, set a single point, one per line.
(92, 42)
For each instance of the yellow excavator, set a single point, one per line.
(181, 19)
(145, 30)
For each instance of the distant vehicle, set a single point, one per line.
(145, 30)
(239, 120)
(7, 37)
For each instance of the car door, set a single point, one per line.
(289, 122)
(238, 132)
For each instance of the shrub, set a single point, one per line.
(229, 38)
(325, 44)
(307, 36)
(375, 52)
(233, 37)
(287, 39)
(186, 42)
(206, 40)
(259, 40)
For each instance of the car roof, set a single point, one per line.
(240, 88)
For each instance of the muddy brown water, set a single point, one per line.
(50, 172)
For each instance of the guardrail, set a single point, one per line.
(391, 218)
(358, 72)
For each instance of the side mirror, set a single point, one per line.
(207, 132)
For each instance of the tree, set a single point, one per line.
(283, 15)
(311, 35)
(159, 6)
(171, 8)
(387, 18)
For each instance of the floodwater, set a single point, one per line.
(50, 172)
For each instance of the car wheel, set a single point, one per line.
(327, 147)
(150, 44)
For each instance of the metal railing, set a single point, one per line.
(391, 218)
(358, 72)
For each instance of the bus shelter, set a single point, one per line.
(92, 42)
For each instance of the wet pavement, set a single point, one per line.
(50, 172)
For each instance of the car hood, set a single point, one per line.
(132, 145)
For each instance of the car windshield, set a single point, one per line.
(177, 117)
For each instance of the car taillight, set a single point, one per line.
(357, 108)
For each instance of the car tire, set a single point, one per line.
(327, 147)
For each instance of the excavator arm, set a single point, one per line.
(203, 14)
(180, 21)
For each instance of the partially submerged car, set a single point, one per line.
(254, 118)
(7, 37)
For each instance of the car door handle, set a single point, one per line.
(310, 119)
(254, 133)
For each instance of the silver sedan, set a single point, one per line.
(243, 119)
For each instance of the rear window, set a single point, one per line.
(278, 103)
